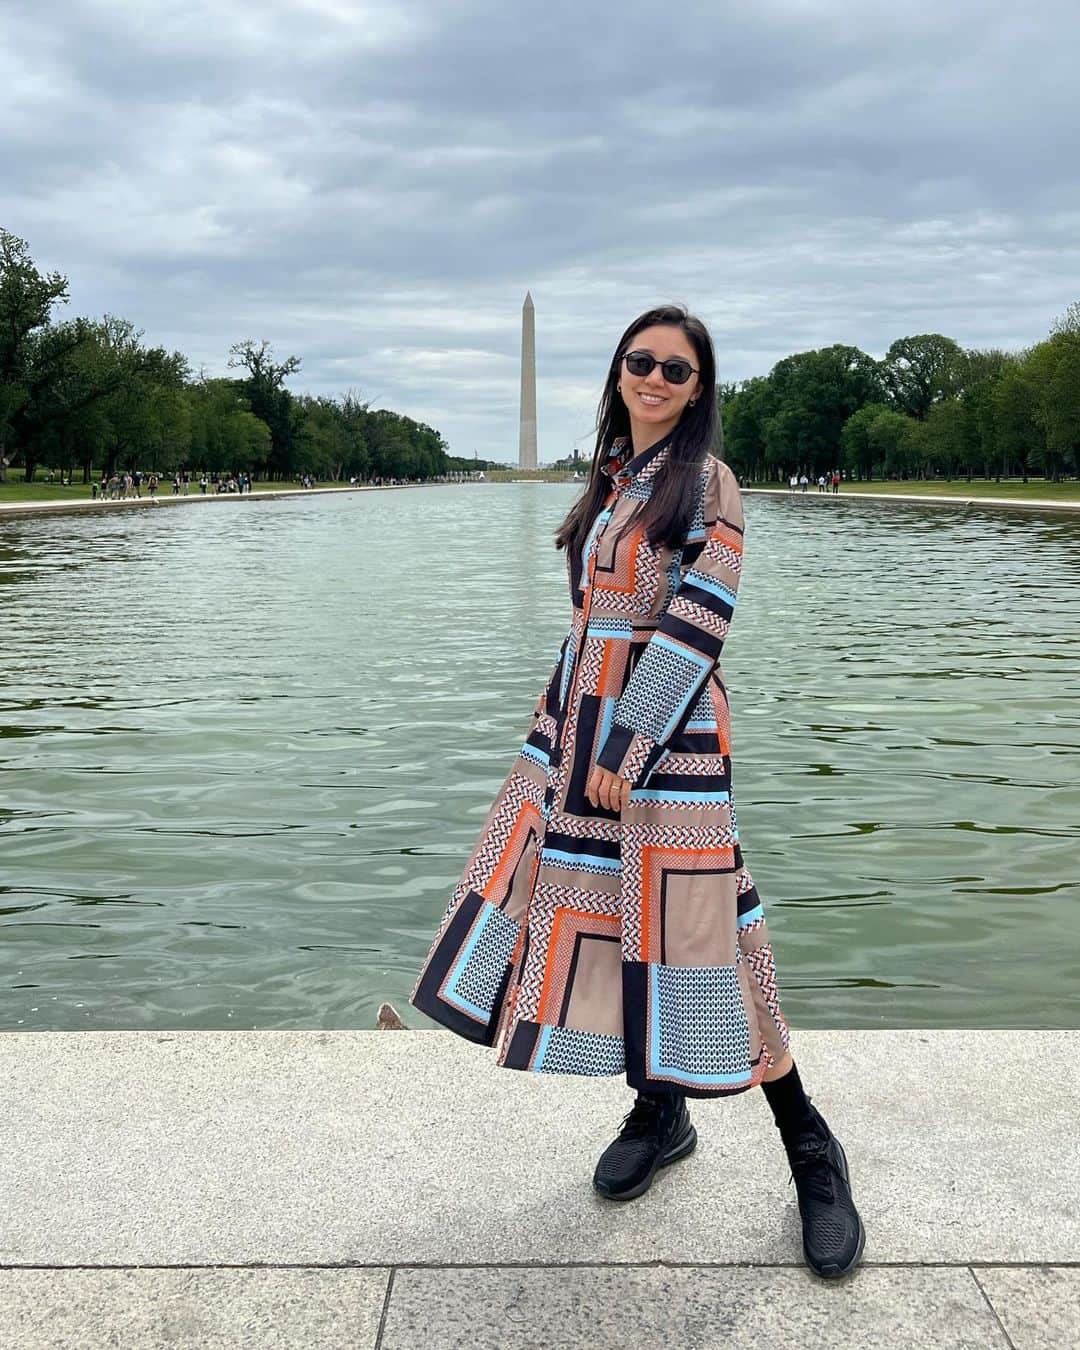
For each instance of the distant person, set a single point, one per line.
(152, 485)
(625, 937)
(186, 484)
(93, 490)
(202, 485)
(836, 480)
(804, 482)
(821, 482)
(136, 482)
(793, 482)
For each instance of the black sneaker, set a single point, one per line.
(833, 1233)
(657, 1131)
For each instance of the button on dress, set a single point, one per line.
(588, 941)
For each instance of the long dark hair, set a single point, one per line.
(666, 515)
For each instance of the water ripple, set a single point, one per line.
(245, 752)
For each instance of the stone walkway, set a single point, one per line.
(395, 1189)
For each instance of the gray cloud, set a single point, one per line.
(374, 187)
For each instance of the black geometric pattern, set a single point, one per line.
(478, 981)
(587, 1052)
(665, 683)
(703, 1027)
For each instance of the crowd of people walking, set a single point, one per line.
(798, 482)
(119, 486)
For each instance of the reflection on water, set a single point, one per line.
(246, 748)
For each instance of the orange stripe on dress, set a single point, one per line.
(634, 540)
(510, 854)
(550, 983)
(605, 662)
(695, 857)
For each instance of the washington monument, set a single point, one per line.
(527, 438)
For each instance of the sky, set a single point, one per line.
(373, 187)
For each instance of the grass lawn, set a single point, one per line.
(959, 487)
(532, 475)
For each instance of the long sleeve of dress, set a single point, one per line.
(685, 648)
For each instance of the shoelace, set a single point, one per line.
(641, 1120)
(813, 1168)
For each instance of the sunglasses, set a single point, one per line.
(675, 371)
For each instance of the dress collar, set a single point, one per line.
(624, 468)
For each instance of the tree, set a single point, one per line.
(819, 390)
(270, 400)
(27, 300)
(1053, 368)
(141, 404)
(894, 442)
(745, 415)
(225, 433)
(1016, 432)
(918, 371)
(1068, 323)
(857, 446)
(942, 438)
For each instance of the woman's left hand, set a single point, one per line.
(607, 789)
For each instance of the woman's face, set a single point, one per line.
(655, 406)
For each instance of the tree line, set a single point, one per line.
(929, 407)
(79, 394)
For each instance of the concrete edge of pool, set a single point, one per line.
(397, 1189)
(119, 503)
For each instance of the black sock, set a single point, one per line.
(790, 1105)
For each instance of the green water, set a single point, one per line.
(246, 746)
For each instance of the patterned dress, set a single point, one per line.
(581, 940)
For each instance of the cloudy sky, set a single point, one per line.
(374, 186)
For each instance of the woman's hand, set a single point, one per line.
(607, 789)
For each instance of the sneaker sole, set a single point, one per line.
(676, 1151)
(835, 1272)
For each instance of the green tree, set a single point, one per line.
(1054, 370)
(264, 389)
(858, 449)
(894, 441)
(817, 392)
(143, 407)
(942, 438)
(27, 300)
(225, 433)
(919, 371)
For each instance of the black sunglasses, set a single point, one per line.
(675, 370)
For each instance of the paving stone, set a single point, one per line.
(191, 1309)
(1038, 1306)
(686, 1308)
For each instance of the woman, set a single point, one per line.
(606, 921)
